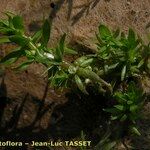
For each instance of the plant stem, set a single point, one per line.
(32, 45)
(94, 77)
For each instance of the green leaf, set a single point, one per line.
(131, 35)
(86, 73)
(140, 63)
(134, 69)
(62, 44)
(80, 84)
(37, 36)
(9, 14)
(123, 73)
(30, 54)
(119, 107)
(132, 55)
(18, 22)
(123, 35)
(10, 61)
(23, 65)
(129, 102)
(131, 38)
(106, 68)
(123, 118)
(109, 145)
(4, 23)
(87, 62)
(80, 60)
(117, 43)
(116, 33)
(59, 51)
(72, 69)
(105, 143)
(4, 40)
(60, 79)
(133, 108)
(52, 70)
(58, 55)
(135, 130)
(46, 29)
(104, 32)
(6, 31)
(120, 97)
(114, 117)
(99, 40)
(113, 66)
(22, 41)
(83, 135)
(12, 57)
(70, 51)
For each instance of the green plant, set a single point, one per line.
(128, 106)
(120, 54)
(35, 49)
(83, 139)
(105, 143)
(146, 56)
(118, 57)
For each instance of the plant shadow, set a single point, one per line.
(65, 122)
(81, 113)
(3, 98)
(12, 126)
(83, 9)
